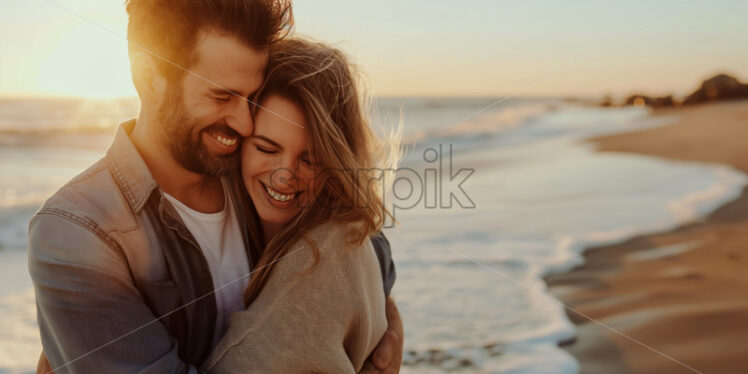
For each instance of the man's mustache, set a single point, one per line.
(222, 129)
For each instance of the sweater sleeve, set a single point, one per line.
(309, 318)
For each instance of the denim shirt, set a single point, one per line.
(121, 284)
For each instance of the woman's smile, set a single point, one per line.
(280, 199)
(276, 165)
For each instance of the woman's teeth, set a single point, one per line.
(225, 141)
(279, 196)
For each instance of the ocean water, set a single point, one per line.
(470, 264)
(469, 285)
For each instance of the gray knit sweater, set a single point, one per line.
(327, 320)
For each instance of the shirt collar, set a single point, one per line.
(129, 169)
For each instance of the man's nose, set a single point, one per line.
(239, 117)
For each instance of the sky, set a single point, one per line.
(420, 47)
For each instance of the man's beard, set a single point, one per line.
(187, 147)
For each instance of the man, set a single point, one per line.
(138, 262)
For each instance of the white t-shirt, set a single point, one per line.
(220, 239)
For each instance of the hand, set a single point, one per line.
(388, 355)
(43, 366)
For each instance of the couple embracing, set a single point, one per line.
(229, 228)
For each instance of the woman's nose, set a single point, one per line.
(284, 176)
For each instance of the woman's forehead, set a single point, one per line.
(282, 121)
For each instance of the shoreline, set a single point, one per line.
(679, 293)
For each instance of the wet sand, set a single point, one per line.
(678, 301)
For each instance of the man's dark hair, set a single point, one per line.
(168, 29)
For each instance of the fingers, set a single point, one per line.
(384, 352)
(387, 357)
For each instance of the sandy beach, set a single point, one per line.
(672, 302)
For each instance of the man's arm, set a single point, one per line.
(386, 265)
(91, 317)
(42, 367)
(388, 355)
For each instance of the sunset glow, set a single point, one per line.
(432, 48)
(85, 63)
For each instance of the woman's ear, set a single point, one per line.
(149, 81)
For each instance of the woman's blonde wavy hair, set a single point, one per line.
(352, 161)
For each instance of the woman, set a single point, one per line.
(315, 300)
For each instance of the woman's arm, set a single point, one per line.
(327, 319)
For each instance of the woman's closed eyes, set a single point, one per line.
(268, 151)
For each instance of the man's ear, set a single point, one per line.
(149, 81)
